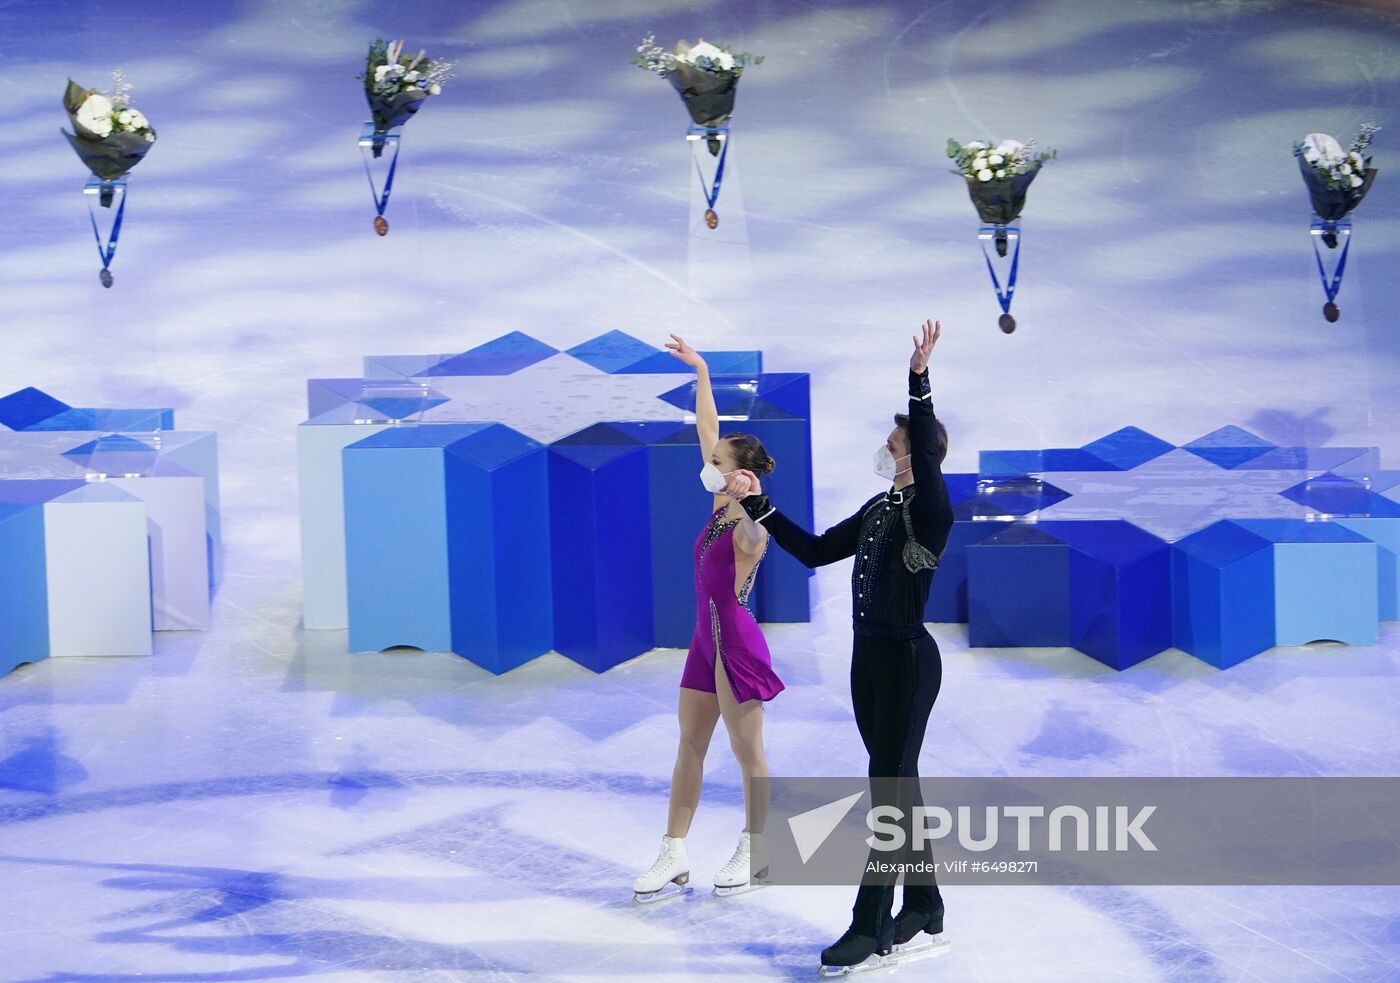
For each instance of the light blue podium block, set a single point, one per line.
(174, 472)
(321, 494)
(599, 490)
(443, 552)
(180, 546)
(1018, 590)
(1326, 582)
(1385, 533)
(197, 451)
(1223, 594)
(97, 573)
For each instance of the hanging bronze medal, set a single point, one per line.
(1007, 323)
(381, 225)
(1331, 311)
(711, 218)
(106, 277)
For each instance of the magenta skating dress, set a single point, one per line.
(723, 623)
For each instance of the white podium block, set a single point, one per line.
(98, 573)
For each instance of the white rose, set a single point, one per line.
(412, 77)
(1010, 148)
(704, 50)
(1324, 147)
(984, 175)
(995, 159)
(1356, 182)
(974, 145)
(150, 138)
(726, 60)
(434, 89)
(380, 71)
(980, 164)
(124, 117)
(1001, 173)
(95, 114)
(1346, 168)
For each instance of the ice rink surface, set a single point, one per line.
(255, 803)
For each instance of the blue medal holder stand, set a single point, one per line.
(106, 201)
(396, 402)
(1006, 242)
(380, 169)
(1331, 243)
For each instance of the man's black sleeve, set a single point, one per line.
(810, 550)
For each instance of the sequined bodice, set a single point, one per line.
(716, 530)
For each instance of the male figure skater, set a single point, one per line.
(896, 539)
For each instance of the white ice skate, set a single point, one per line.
(746, 870)
(668, 877)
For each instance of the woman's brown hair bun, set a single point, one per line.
(750, 454)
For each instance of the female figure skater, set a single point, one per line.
(728, 672)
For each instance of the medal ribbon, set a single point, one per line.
(1004, 299)
(712, 195)
(110, 249)
(1333, 288)
(381, 202)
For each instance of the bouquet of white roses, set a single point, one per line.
(998, 176)
(1337, 178)
(110, 135)
(706, 76)
(396, 84)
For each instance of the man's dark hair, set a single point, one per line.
(902, 420)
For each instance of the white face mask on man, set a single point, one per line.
(886, 466)
(713, 478)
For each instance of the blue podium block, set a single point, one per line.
(599, 492)
(1018, 589)
(445, 550)
(35, 410)
(1326, 582)
(1223, 594)
(1120, 590)
(947, 598)
(775, 408)
(679, 508)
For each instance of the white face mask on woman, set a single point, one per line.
(886, 466)
(713, 479)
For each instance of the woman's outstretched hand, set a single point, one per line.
(684, 352)
(923, 346)
(742, 484)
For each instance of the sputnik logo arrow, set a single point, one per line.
(811, 828)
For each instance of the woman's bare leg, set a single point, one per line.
(698, 713)
(744, 721)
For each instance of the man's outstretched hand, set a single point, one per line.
(923, 346)
(742, 484)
